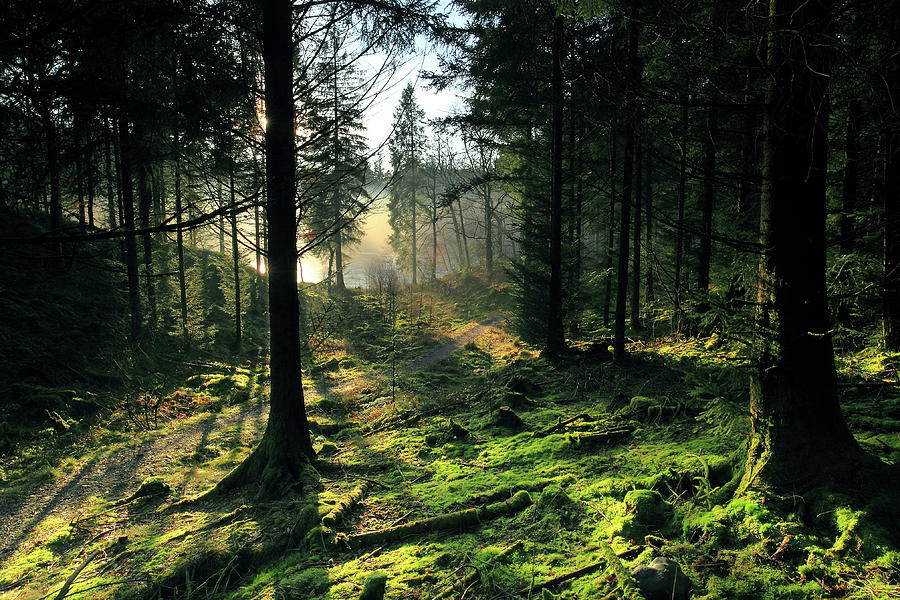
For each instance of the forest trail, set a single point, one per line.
(115, 475)
(118, 473)
(469, 335)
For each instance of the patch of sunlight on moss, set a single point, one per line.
(25, 565)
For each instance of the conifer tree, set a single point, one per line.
(407, 147)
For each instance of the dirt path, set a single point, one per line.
(461, 339)
(117, 475)
(112, 477)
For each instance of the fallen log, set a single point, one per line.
(458, 520)
(337, 513)
(602, 437)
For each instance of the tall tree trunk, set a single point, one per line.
(462, 229)
(648, 203)
(285, 450)
(579, 201)
(111, 202)
(707, 201)
(131, 264)
(747, 209)
(611, 230)
(79, 191)
(415, 241)
(556, 343)
(144, 201)
(851, 177)
(678, 283)
(256, 241)
(221, 202)
(158, 181)
(456, 232)
(179, 241)
(891, 201)
(798, 435)
(339, 263)
(434, 252)
(634, 76)
(638, 225)
(488, 232)
(91, 184)
(236, 262)
(52, 166)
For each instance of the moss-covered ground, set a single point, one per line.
(621, 463)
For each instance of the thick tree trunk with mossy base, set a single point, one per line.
(799, 436)
(284, 454)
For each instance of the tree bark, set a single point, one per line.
(851, 176)
(236, 263)
(285, 450)
(111, 203)
(648, 202)
(179, 242)
(678, 284)
(638, 225)
(611, 230)
(891, 201)
(462, 229)
(52, 165)
(707, 201)
(798, 435)
(144, 201)
(131, 266)
(456, 232)
(488, 232)
(415, 241)
(556, 343)
(627, 186)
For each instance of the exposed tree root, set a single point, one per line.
(561, 425)
(275, 467)
(625, 583)
(504, 492)
(451, 521)
(337, 513)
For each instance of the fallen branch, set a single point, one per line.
(376, 482)
(560, 425)
(64, 590)
(580, 572)
(624, 582)
(551, 583)
(337, 513)
(451, 521)
(475, 576)
(869, 384)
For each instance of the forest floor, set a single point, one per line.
(110, 475)
(478, 471)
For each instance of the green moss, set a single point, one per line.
(648, 507)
